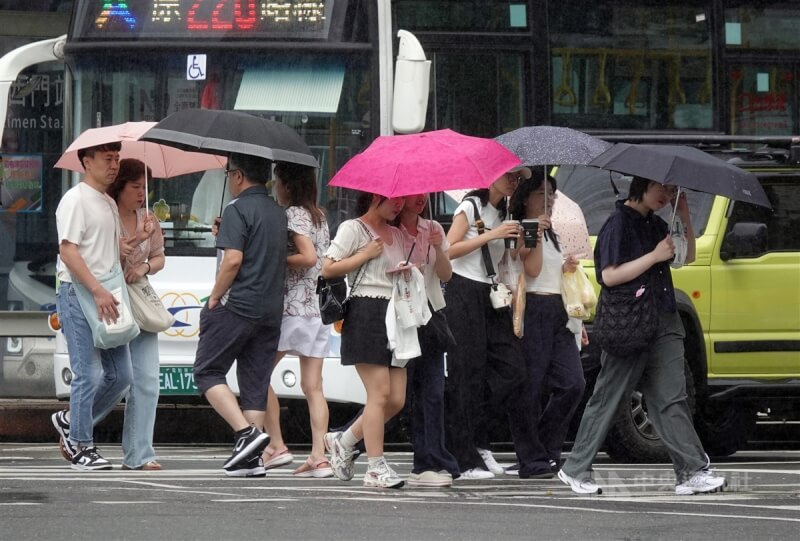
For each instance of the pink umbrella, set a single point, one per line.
(163, 160)
(570, 226)
(399, 165)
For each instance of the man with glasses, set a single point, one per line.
(242, 318)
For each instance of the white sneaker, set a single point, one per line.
(476, 473)
(701, 482)
(342, 460)
(382, 476)
(491, 463)
(430, 479)
(578, 486)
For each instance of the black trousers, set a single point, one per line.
(553, 385)
(486, 358)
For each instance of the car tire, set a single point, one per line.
(725, 427)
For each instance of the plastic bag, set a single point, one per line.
(578, 294)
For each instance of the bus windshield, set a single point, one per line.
(324, 97)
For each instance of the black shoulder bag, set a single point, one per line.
(333, 293)
(626, 320)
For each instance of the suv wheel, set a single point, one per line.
(632, 437)
(725, 427)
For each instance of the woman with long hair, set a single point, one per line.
(485, 363)
(425, 240)
(364, 249)
(553, 382)
(302, 331)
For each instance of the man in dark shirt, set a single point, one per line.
(242, 319)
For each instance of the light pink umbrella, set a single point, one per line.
(163, 160)
(570, 226)
(399, 165)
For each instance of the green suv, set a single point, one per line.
(739, 302)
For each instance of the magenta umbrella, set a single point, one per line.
(400, 165)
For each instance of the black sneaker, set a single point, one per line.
(250, 443)
(60, 422)
(250, 467)
(90, 459)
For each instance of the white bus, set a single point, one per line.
(325, 68)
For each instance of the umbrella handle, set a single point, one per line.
(675, 209)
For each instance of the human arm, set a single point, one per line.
(106, 304)
(686, 218)
(459, 246)
(334, 269)
(307, 254)
(228, 269)
(443, 269)
(614, 275)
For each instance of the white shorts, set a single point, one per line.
(305, 336)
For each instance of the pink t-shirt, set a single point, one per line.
(148, 248)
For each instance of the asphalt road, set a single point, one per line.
(42, 498)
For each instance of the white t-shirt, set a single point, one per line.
(471, 265)
(549, 279)
(89, 219)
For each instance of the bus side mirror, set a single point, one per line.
(745, 240)
(411, 85)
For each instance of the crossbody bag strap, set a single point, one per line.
(480, 226)
(362, 268)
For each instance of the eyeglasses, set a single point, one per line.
(229, 171)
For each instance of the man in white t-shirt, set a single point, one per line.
(87, 221)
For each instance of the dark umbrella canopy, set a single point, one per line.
(684, 166)
(552, 145)
(222, 132)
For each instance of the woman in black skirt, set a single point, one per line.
(364, 249)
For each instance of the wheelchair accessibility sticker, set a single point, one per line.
(196, 67)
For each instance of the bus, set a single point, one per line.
(325, 68)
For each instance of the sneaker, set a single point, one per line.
(700, 483)
(60, 422)
(250, 467)
(250, 443)
(554, 467)
(90, 459)
(476, 473)
(430, 479)
(274, 459)
(580, 486)
(512, 470)
(342, 460)
(382, 476)
(491, 463)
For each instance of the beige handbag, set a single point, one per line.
(148, 311)
(519, 306)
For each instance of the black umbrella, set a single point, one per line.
(222, 132)
(552, 145)
(686, 167)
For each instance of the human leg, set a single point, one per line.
(142, 402)
(377, 383)
(614, 382)
(664, 388)
(311, 384)
(276, 454)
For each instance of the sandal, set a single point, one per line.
(319, 469)
(273, 458)
(148, 466)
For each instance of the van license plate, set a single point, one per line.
(177, 380)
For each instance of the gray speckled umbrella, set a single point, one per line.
(552, 145)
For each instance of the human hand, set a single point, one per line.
(435, 239)
(374, 248)
(664, 250)
(212, 303)
(584, 336)
(506, 230)
(127, 245)
(215, 226)
(134, 273)
(106, 305)
(570, 264)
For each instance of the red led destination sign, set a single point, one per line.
(186, 19)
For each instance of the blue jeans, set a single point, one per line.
(100, 378)
(141, 402)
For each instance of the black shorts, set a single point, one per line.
(225, 337)
(364, 339)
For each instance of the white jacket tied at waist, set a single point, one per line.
(408, 309)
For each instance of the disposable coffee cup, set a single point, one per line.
(511, 243)
(530, 232)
